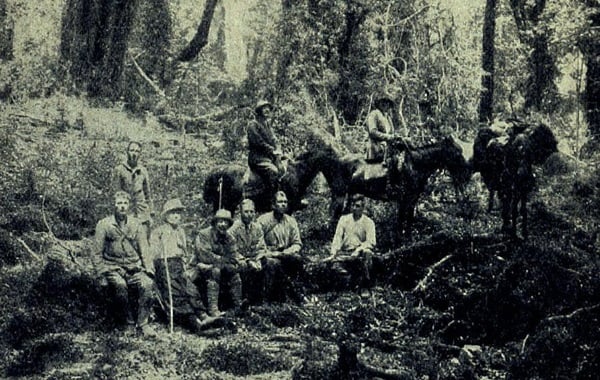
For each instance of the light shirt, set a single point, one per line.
(351, 234)
(166, 241)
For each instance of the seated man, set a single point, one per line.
(169, 244)
(251, 245)
(216, 258)
(354, 240)
(283, 263)
(264, 155)
(123, 260)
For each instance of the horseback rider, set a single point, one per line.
(380, 128)
(264, 155)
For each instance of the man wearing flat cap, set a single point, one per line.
(169, 244)
(216, 259)
(264, 154)
(380, 128)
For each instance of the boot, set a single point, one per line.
(204, 321)
(235, 291)
(212, 298)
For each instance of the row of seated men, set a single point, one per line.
(139, 267)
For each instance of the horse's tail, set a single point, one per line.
(542, 142)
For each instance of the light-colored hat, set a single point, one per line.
(262, 104)
(223, 214)
(172, 205)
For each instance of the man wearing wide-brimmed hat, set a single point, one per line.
(169, 244)
(216, 259)
(264, 154)
(380, 127)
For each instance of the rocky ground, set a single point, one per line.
(455, 301)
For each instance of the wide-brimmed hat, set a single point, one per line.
(223, 214)
(172, 205)
(384, 97)
(262, 104)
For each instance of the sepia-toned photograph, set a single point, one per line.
(299, 189)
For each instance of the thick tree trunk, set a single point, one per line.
(201, 38)
(94, 41)
(154, 31)
(542, 67)
(6, 34)
(592, 79)
(486, 101)
(348, 101)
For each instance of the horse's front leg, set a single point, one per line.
(490, 201)
(506, 204)
(524, 227)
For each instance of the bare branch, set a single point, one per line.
(422, 285)
(154, 86)
(29, 250)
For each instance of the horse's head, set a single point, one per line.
(455, 162)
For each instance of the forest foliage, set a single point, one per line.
(321, 62)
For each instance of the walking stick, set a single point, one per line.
(169, 291)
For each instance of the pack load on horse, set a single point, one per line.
(403, 177)
(504, 155)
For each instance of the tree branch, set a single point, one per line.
(154, 86)
(422, 285)
(201, 38)
(29, 250)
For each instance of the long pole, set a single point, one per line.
(169, 291)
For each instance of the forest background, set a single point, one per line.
(79, 79)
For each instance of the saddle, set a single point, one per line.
(253, 183)
(372, 171)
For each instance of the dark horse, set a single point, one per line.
(404, 180)
(301, 171)
(505, 160)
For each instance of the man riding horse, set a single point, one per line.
(264, 155)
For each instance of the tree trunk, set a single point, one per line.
(154, 30)
(6, 34)
(486, 101)
(591, 96)
(201, 38)
(94, 41)
(540, 85)
(348, 101)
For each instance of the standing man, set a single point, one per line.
(122, 258)
(380, 128)
(216, 259)
(132, 178)
(264, 154)
(283, 262)
(251, 245)
(354, 240)
(169, 243)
